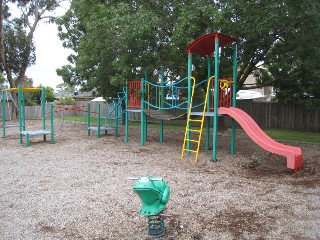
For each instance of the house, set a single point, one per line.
(77, 96)
(259, 94)
(83, 96)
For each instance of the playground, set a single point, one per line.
(239, 186)
(78, 187)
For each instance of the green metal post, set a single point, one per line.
(51, 123)
(99, 121)
(189, 97)
(234, 99)
(43, 111)
(116, 116)
(142, 114)
(127, 113)
(162, 103)
(4, 117)
(216, 99)
(208, 107)
(145, 116)
(27, 140)
(88, 119)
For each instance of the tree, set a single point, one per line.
(65, 87)
(17, 50)
(16, 35)
(36, 96)
(277, 38)
(113, 40)
(297, 69)
(68, 100)
(2, 79)
(29, 99)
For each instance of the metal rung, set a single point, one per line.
(197, 129)
(190, 150)
(195, 120)
(191, 140)
(193, 130)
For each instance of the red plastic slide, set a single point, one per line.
(293, 154)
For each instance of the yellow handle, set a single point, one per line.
(224, 84)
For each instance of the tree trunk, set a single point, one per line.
(1, 34)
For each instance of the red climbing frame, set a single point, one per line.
(134, 90)
(225, 95)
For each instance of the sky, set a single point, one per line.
(50, 54)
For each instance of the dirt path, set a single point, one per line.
(77, 188)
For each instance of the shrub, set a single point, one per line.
(65, 101)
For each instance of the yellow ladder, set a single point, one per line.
(197, 130)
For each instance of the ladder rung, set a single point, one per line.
(197, 128)
(191, 140)
(195, 120)
(189, 150)
(193, 130)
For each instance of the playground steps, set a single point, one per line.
(199, 114)
(117, 112)
(192, 138)
(11, 126)
(103, 128)
(193, 132)
(35, 133)
(111, 120)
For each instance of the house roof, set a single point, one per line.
(63, 93)
(83, 95)
(74, 94)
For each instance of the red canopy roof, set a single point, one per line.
(205, 44)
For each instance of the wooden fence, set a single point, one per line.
(267, 115)
(271, 115)
(78, 109)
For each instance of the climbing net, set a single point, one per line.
(173, 94)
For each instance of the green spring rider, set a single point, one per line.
(154, 194)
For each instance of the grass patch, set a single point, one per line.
(77, 118)
(131, 123)
(295, 136)
(285, 135)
